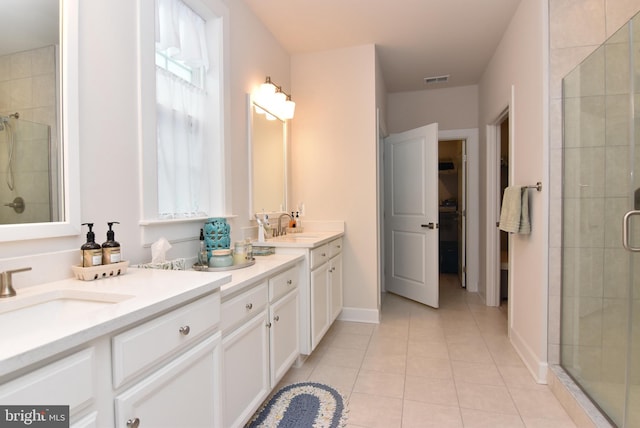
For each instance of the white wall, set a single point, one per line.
(334, 158)
(109, 150)
(520, 61)
(452, 108)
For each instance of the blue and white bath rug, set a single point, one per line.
(302, 405)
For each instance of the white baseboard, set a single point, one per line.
(360, 315)
(539, 369)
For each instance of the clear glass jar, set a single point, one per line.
(240, 252)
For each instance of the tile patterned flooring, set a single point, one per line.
(423, 367)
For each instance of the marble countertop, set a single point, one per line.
(35, 333)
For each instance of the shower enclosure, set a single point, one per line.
(27, 171)
(600, 337)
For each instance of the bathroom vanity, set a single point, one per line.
(152, 347)
(321, 291)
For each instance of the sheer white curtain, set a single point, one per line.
(182, 173)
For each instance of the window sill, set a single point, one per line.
(173, 221)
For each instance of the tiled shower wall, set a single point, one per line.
(28, 86)
(577, 28)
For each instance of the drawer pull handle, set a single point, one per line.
(185, 330)
(289, 282)
(133, 423)
(324, 254)
(268, 325)
(249, 306)
(276, 318)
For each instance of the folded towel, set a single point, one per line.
(514, 214)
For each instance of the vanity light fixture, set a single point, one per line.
(271, 100)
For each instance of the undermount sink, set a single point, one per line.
(56, 305)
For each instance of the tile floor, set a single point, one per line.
(423, 367)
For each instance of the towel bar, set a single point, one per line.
(537, 186)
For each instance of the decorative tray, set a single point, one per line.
(224, 268)
(263, 251)
(98, 272)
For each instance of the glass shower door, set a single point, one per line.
(600, 346)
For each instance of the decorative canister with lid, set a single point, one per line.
(221, 258)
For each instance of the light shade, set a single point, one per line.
(288, 109)
(270, 99)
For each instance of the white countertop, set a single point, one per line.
(307, 239)
(146, 292)
(141, 294)
(264, 267)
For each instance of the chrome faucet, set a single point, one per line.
(279, 230)
(6, 288)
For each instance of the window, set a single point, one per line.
(181, 108)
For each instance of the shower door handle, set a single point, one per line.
(625, 231)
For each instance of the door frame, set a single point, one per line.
(492, 285)
(470, 136)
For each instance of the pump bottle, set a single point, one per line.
(91, 252)
(110, 247)
(203, 257)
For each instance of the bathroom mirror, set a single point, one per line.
(39, 164)
(268, 162)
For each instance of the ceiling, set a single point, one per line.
(414, 39)
(28, 24)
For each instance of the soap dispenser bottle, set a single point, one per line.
(111, 248)
(203, 257)
(91, 252)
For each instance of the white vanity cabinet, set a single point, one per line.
(326, 288)
(335, 277)
(69, 381)
(173, 362)
(260, 329)
(284, 319)
(245, 354)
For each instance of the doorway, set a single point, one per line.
(451, 208)
(503, 177)
(498, 176)
(470, 252)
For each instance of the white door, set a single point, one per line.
(411, 214)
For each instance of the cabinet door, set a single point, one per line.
(70, 381)
(335, 277)
(285, 346)
(319, 304)
(245, 359)
(182, 393)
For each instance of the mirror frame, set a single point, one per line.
(285, 154)
(68, 113)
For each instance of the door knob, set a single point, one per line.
(430, 225)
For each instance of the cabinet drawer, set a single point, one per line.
(319, 255)
(282, 283)
(335, 247)
(69, 381)
(244, 306)
(140, 347)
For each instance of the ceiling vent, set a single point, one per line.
(436, 79)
